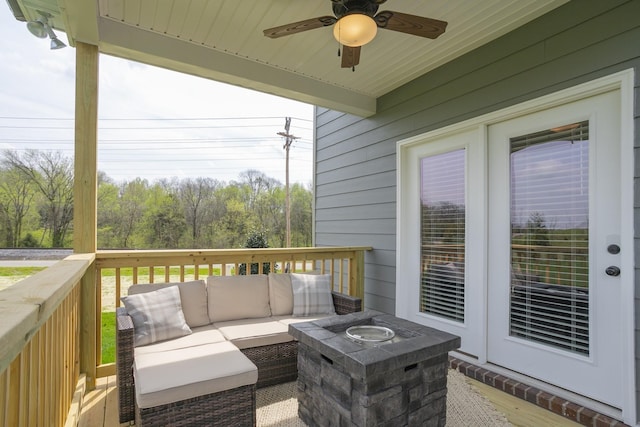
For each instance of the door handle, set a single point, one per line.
(612, 271)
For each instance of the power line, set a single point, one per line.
(196, 154)
(125, 119)
(147, 128)
(170, 142)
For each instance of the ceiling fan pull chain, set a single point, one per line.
(353, 68)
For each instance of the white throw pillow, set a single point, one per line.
(280, 294)
(157, 315)
(311, 295)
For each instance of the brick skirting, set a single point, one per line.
(555, 404)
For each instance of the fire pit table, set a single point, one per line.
(393, 374)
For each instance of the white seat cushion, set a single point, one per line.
(200, 336)
(247, 333)
(288, 320)
(172, 376)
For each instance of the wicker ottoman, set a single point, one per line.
(206, 385)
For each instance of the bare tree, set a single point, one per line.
(16, 196)
(197, 197)
(52, 175)
(132, 208)
(258, 184)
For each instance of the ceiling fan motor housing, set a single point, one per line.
(348, 7)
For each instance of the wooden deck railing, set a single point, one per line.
(117, 270)
(40, 345)
(46, 320)
(560, 265)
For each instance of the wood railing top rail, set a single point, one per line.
(25, 306)
(519, 247)
(550, 249)
(115, 258)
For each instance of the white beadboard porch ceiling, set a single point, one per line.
(223, 40)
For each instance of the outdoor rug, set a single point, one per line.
(278, 406)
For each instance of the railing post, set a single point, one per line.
(356, 287)
(85, 197)
(88, 325)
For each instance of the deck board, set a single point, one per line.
(519, 412)
(111, 404)
(101, 407)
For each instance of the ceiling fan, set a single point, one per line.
(357, 24)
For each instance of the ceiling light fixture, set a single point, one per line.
(56, 43)
(41, 29)
(37, 28)
(355, 30)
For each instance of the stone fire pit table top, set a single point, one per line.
(413, 342)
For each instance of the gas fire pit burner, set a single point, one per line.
(369, 333)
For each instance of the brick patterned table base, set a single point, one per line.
(413, 395)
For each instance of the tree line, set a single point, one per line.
(36, 208)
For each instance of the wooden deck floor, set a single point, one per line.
(519, 412)
(100, 407)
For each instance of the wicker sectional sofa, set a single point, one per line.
(203, 369)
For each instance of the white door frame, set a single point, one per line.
(471, 329)
(408, 219)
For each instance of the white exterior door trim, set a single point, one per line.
(407, 218)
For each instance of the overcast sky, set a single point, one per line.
(153, 123)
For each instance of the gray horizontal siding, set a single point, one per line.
(362, 226)
(377, 241)
(367, 199)
(355, 158)
(382, 211)
(333, 184)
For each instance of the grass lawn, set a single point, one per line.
(159, 271)
(21, 272)
(108, 337)
(9, 276)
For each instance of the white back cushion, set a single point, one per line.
(238, 297)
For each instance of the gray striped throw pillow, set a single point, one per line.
(311, 294)
(157, 315)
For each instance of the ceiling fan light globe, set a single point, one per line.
(37, 29)
(355, 30)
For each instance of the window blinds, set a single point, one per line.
(549, 237)
(443, 235)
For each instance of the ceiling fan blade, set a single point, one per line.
(410, 24)
(298, 27)
(350, 56)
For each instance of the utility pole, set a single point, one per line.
(287, 144)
